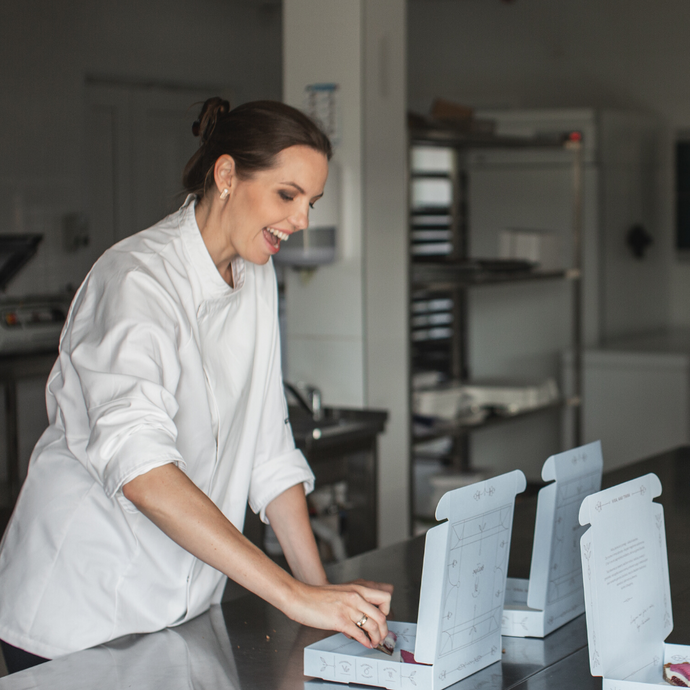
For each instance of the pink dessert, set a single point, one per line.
(677, 674)
(388, 644)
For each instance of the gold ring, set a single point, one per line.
(362, 621)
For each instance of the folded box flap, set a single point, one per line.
(555, 572)
(464, 576)
(575, 462)
(592, 505)
(625, 577)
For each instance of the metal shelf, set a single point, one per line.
(460, 429)
(452, 274)
(433, 175)
(439, 276)
(437, 135)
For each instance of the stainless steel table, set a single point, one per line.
(248, 645)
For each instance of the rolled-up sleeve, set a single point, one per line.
(122, 350)
(271, 478)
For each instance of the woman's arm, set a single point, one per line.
(182, 511)
(289, 517)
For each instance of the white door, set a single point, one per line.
(139, 139)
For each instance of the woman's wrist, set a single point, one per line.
(310, 572)
(291, 598)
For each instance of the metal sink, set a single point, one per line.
(335, 423)
(341, 446)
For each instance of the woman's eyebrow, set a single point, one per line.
(300, 190)
(296, 186)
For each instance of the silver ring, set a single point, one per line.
(362, 621)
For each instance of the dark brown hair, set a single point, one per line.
(253, 134)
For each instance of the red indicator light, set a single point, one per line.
(575, 136)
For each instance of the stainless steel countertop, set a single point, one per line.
(248, 645)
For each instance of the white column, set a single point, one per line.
(325, 335)
(347, 324)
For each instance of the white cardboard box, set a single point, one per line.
(540, 246)
(458, 630)
(627, 588)
(553, 594)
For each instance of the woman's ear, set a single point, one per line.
(224, 173)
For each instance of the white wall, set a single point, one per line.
(325, 314)
(629, 54)
(347, 325)
(386, 254)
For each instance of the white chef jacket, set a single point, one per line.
(160, 361)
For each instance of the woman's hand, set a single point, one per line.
(171, 501)
(340, 607)
(320, 604)
(383, 586)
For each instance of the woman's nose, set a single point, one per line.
(300, 219)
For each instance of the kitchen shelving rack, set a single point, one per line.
(442, 272)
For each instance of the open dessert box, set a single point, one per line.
(627, 588)
(553, 594)
(458, 629)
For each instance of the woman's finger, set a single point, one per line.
(373, 622)
(385, 607)
(360, 632)
(377, 597)
(372, 595)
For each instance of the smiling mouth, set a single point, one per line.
(274, 236)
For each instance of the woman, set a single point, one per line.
(167, 414)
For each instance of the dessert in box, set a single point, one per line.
(627, 588)
(553, 594)
(458, 629)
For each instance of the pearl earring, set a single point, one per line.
(224, 194)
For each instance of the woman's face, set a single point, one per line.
(265, 210)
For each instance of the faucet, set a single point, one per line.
(316, 408)
(308, 397)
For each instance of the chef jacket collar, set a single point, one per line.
(212, 283)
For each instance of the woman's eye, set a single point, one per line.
(285, 197)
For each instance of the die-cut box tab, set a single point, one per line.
(627, 587)
(553, 594)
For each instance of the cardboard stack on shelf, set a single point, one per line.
(540, 247)
(460, 117)
(471, 402)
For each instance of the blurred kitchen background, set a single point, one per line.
(97, 101)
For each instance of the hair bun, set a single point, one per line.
(253, 133)
(211, 111)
